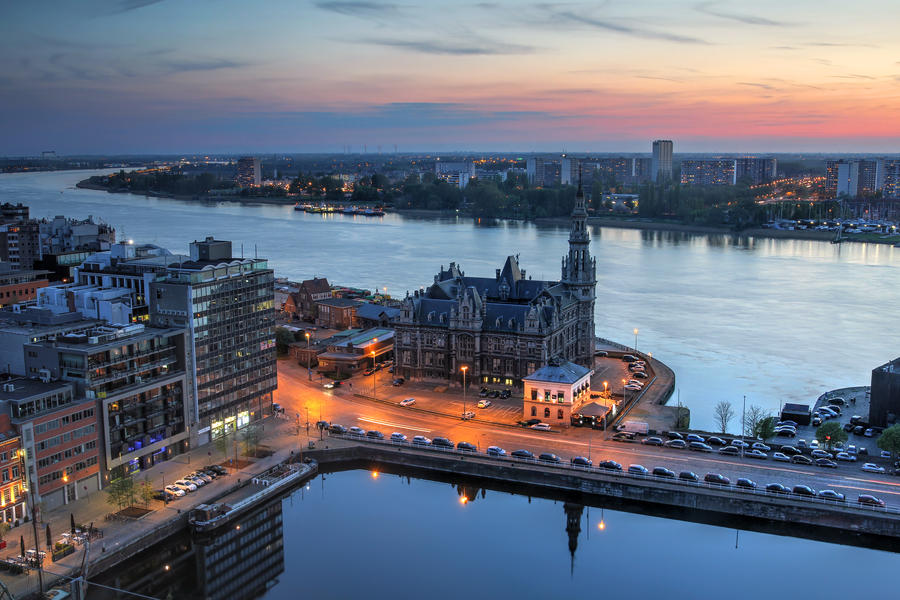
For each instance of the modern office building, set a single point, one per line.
(20, 326)
(456, 174)
(543, 172)
(500, 328)
(718, 171)
(61, 438)
(661, 165)
(228, 306)
(884, 407)
(889, 179)
(12, 473)
(853, 178)
(20, 286)
(248, 172)
(140, 379)
(20, 244)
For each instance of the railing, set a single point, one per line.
(625, 474)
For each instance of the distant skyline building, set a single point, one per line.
(249, 172)
(890, 179)
(661, 166)
(718, 171)
(853, 178)
(543, 172)
(456, 174)
(757, 170)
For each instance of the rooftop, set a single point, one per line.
(563, 372)
(27, 388)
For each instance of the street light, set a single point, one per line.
(605, 387)
(374, 371)
(464, 368)
(635, 339)
(308, 358)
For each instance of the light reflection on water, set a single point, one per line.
(777, 320)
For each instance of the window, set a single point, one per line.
(533, 394)
(546, 413)
(534, 411)
(559, 414)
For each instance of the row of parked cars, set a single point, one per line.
(191, 482)
(801, 491)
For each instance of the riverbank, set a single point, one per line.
(87, 185)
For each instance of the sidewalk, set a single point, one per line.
(278, 434)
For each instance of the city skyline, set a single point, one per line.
(141, 76)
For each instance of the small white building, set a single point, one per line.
(553, 391)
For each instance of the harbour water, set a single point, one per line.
(775, 320)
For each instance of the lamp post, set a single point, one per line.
(464, 368)
(308, 358)
(743, 424)
(635, 339)
(605, 388)
(374, 371)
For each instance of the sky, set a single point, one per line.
(223, 76)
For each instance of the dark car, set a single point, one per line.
(848, 427)
(322, 424)
(496, 451)
(629, 358)
(529, 422)
(442, 442)
(505, 394)
(610, 465)
(164, 496)
(747, 484)
(824, 462)
(466, 447)
(549, 458)
(335, 428)
(679, 444)
(716, 479)
(786, 432)
(790, 450)
(799, 459)
(522, 454)
(831, 495)
(688, 476)
(483, 392)
(729, 451)
(674, 435)
(869, 500)
(493, 394)
(663, 472)
(375, 435)
(803, 490)
(715, 441)
(699, 447)
(368, 371)
(581, 461)
(623, 436)
(652, 441)
(777, 488)
(219, 469)
(859, 429)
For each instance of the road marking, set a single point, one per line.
(539, 437)
(389, 424)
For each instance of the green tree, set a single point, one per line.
(145, 492)
(890, 440)
(829, 433)
(765, 429)
(250, 438)
(120, 492)
(283, 338)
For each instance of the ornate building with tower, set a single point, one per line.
(501, 328)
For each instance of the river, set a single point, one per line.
(775, 320)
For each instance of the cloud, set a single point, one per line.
(839, 45)
(783, 48)
(212, 64)
(123, 6)
(754, 84)
(660, 78)
(359, 8)
(570, 18)
(853, 76)
(709, 8)
(469, 47)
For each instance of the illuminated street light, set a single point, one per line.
(635, 339)
(464, 368)
(308, 358)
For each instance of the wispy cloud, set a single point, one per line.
(212, 64)
(123, 6)
(359, 8)
(465, 47)
(712, 8)
(852, 76)
(672, 79)
(839, 45)
(570, 19)
(755, 84)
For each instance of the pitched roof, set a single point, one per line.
(316, 285)
(338, 302)
(565, 372)
(375, 311)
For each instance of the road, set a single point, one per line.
(300, 396)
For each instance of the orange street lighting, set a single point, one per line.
(374, 474)
(463, 499)
(601, 525)
(464, 368)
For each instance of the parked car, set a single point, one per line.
(623, 436)
(421, 440)
(777, 488)
(541, 426)
(716, 479)
(374, 435)
(816, 421)
(368, 372)
(729, 451)
(549, 457)
(441, 442)
(869, 500)
(872, 468)
(674, 435)
(824, 462)
(581, 461)
(740, 443)
(845, 456)
(786, 432)
(803, 490)
(187, 486)
(790, 450)
(652, 441)
(358, 431)
(640, 375)
(496, 451)
(483, 403)
(831, 495)
(398, 437)
(700, 447)
(195, 480)
(522, 454)
(747, 484)
(820, 454)
(799, 459)
(802, 444)
(814, 444)
(663, 472)
(174, 490)
(219, 469)
(693, 437)
(781, 457)
(688, 476)
(610, 465)
(199, 474)
(629, 358)
(715, 441)
(529, 422)
(335, 428)
(760, 446)
(869, 432)
(407, 402)
(466, 447)
(756, 454)
(468, 415)
(679, 444)
(398, 381)
(786, 422)
(638, 470)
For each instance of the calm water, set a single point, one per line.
(777, 320)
